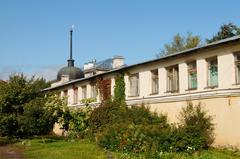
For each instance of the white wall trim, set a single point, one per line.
(185, 97)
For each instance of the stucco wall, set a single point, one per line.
(225, 113)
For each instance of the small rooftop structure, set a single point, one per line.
(93, 67)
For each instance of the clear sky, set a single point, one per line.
(34, 35)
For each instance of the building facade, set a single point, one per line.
(208, 74)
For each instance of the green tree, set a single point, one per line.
(24, 110)
(180, 43)
(36, 119)
(226, 31)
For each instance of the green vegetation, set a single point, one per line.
(60, 148)
(206, 154)
(87, 101)
(225, 31)
(78, 122)
(180, 43)
(105, 115)
(54, 148)
(138, 130)
(196, 129)
(24, 111)
(119, 89)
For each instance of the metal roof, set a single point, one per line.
(224, 41)
(72, 72)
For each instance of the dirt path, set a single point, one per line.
(10, 152)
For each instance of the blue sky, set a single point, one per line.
(34, 35)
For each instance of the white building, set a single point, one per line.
(208, 74)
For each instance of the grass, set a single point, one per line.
(62, 149)
(59, 148)
(208, 154)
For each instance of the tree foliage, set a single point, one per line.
(76, 121)
(37, 118)
(226, 31)
(18, 91)
(24, 110)
(119, 89)
(180, 43)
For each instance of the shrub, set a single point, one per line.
(149, 133)
(79, 122)
(107, 113)
(134, 138)
(124, 137)
(75, 121)
(195, 131)
(141, 131)
(143, 115)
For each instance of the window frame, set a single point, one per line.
(65, 94)
(236, 63)
(190, 71)
(154, 81)
(84, 92)
(130, 85)
(94, 91)
(209, 60)
(172, 82)
(75, 95)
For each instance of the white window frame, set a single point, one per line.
(84, 92)
(155, 81)
(209, 77)
(172, 79)
(75, 95)
(93, 91)
(237, 69)
(134, 85)
(190, 71)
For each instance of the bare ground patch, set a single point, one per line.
(11, 152)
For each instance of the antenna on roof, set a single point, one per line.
(70, 60)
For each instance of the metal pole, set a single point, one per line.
(71, 43)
